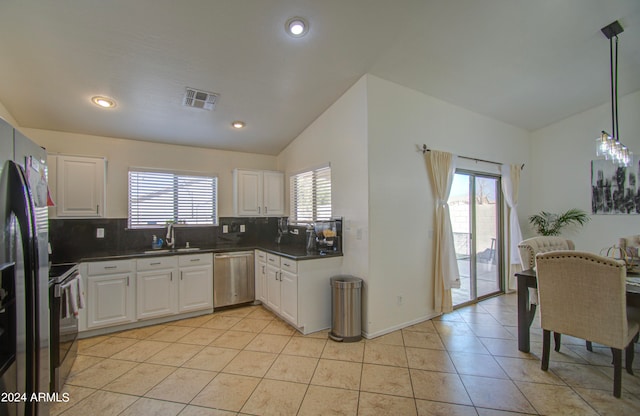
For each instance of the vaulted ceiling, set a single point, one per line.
(526, 63)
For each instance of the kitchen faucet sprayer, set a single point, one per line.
(170, 239)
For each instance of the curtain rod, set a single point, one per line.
(425, 149)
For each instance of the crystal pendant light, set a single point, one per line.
(609, 146)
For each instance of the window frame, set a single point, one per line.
(315, 173)
(135, 222)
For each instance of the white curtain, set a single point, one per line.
(443, 166)
(510, 188)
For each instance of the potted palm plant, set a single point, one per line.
(547, 223)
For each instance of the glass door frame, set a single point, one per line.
(473, 296)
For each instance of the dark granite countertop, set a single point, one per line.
(289, 251)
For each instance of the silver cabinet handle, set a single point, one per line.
(127, 280)
(181, 277)
(155, 263)
(171, 278)
(97, 209)
(193, 260)
(266, 210)
(263, 269)
(110, 267)
(258, 210)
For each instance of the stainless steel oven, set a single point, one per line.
(64, 322)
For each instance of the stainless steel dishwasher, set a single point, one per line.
(233, 278)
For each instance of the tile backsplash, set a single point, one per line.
(74, 239)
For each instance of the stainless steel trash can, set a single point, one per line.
(346, 309)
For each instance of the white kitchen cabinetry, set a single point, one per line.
(110, 293)
(80, 186)
(273, 282)
(196, 282)
(261, 275)
(156, 287)
(300, 291)
(258, 193)
(289, 290)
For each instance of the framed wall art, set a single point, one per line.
(614, 189)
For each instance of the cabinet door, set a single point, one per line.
(289, 300)
(261, 281)
(248, 198)
(110, 300)
(273, 193)
(273, 288)
(80, 186)
(156, 293)
(195, 288)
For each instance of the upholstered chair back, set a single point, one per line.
(531, 246)
(584, 295)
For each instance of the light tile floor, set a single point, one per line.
(246, 361)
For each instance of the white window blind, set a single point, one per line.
(311, 195)
(157, 197)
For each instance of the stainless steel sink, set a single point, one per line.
(173, 250)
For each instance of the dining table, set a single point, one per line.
(526, 311)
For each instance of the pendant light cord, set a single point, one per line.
(613, 101)
(616, 91)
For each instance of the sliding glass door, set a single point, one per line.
(474, 204)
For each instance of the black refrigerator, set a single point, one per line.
(24, 302)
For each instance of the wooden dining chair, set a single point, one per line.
(584, 295)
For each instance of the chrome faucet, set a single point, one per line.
(171, 236)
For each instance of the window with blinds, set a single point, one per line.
(156, 198)
(311, 195)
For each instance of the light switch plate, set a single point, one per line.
(242, 229)
(99, 232)
(225, 229)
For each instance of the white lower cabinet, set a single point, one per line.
(261, 275)
(289, 296)
(299, 291)
(273, 282)
(196, 282)
(156, 287)
(110, 293)
(125, 291)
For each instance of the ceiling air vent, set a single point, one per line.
(200, 99)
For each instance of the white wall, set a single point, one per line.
(339, 136)
(121, 154)
(561, 165)
(401, 206)
(381, 186)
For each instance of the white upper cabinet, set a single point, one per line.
(80, 186)
(258, 193)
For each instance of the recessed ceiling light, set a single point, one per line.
(104, 102)
(238, 124)
(296, 27)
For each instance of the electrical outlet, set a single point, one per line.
(242, 228)
(225, 229)
(99, 232)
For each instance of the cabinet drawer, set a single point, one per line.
(261, 255)
(273, 260)
(195, 260)
(110, 267)
(289, 265)
(156, 263)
